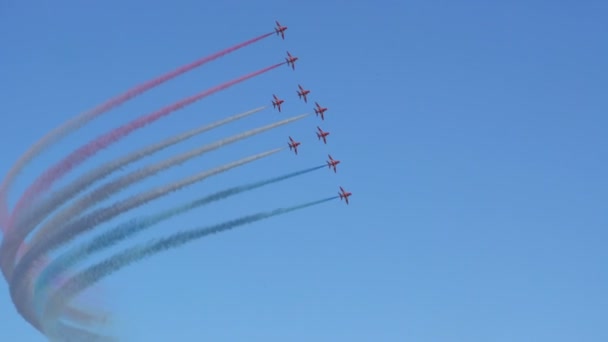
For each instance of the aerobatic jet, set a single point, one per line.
(320, 111)
(332, 163)
(291, 60)
(344, 195)
(322, 135)
(302, 93)
(276, 103)
(280, 29)
(293, 145)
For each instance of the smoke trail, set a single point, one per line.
(39, 212)
(84, 118)
(125, 230)
(95, 273)
(121, 183)
(84, 317)
(12, 240)
(62, 332)
(76, 315)
(8, 253)
(80, 316)
(21, 231)
(46, 180)
(24, 226)
(19, 282)
(3, 214)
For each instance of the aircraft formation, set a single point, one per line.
(303, 94)
(43, 284)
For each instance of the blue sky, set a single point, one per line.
(472, 135)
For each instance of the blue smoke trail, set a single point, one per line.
(20, 285)
(33, 216)
(97, 272)
(130, 228)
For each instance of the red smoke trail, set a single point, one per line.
(84, 118)
(80, 155)
(3, 214)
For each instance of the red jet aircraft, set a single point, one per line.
(332, 163)
(302, 93)
(293, 145)
(321, 134)
(320, 110)
(291, 60)
(277, 102)
(344, 195)
(280, 30)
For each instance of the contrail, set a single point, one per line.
(132, 227)
(14, 238)
(22, 230)
(95, 273)
(84, 317)
(3, 211)
(35, 215)
(85, 117)
(73, 314)
(62, 332)
(7, 261)
(19, 281)
(78, 156)
(121, 183)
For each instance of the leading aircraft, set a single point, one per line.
(302, 93)
(280, 29)
(276, 103)
(321, 134)
(332, 163)
(291, 60)
(344, 195)
(293, 145)
(320, 111)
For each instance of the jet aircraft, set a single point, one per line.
(293, 145)
(276, 103)
(322, 135)
(332, 163)
(320, 111)
(280, 29)
(344, 195)
(302, 93)
(291, 60)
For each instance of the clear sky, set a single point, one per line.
(471, 133)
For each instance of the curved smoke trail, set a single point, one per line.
(111, 188)
(80, 155)
(3, 213)
(84, 118)
(22, 230)
(83, 317)
(18, 286)
(95, 273)
(77, 315)
(62, 332)
(45, 181)
(60, 197)
(132, 227)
